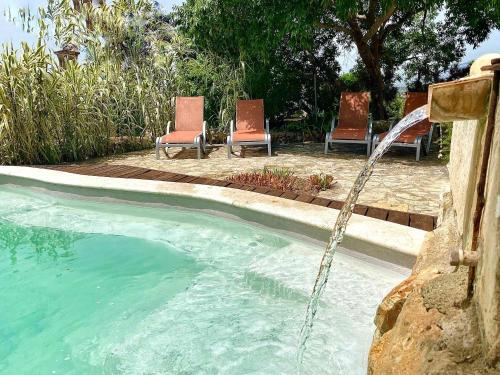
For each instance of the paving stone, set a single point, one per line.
(398, 182)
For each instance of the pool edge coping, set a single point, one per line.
(383, 240)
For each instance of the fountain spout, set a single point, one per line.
(464, 99)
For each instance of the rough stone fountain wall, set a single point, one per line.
(428, 324)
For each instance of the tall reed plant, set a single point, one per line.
(134, 63)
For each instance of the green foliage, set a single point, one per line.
(285, 43)
(350, 81)
(281, 62)
(279, 172)
(445, 141)
(395, 107)
(321, 181)
(135, 63)
(272, 177)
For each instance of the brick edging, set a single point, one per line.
(415, 220)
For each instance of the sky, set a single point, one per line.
(13, 33)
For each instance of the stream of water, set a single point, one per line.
(407, 122)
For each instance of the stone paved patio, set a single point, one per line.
(399, 182)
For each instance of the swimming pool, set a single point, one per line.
(100, 286)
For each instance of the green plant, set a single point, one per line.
(279, 178)
(444, 141)
(279, 172)
(395, 107)
(134, 64)
(320, 182)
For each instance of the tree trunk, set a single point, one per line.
(376, 82)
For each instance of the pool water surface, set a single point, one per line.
(94, 286)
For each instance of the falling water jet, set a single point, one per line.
(407, 122)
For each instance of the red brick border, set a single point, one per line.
(420, 221)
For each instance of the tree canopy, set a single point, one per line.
(415, 42)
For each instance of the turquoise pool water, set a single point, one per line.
(95, 287)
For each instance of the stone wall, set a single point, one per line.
(487, 294)
(463, 172)
(466, 155)
(428, 324)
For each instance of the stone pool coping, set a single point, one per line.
(415, 220)
(381, 239)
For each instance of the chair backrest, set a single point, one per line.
(250, 114)
(413, 101)
(189, 113)
(354, 110)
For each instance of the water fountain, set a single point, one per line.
(470, 212)
(407, 122)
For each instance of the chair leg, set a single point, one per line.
(157, 148)
(326, 142)
(368, 143)
(269, 148)
(165, 151)
(198, 149)
(229, 147)
(429, 141)
(419, 144)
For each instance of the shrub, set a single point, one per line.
(272, 177)
(134, 64)
(282, 178)
(395, 107)
(320, 182)
(282, 173)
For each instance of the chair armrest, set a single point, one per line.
(333, 124)
(231, 128)
(168, 127)
(267, 125)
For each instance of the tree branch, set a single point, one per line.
(372, 8)
(379, 22)
(396, 25)
(333, 26)
(355, 31)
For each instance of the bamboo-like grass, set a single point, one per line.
(122, 90)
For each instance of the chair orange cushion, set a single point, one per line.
(408, 136)
(354, 110)
(250, 115)
(248, 136)
(189, 113)
(413, 101)
(349, 133)
(180, 136)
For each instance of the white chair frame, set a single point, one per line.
(417, 144)
(367, 140)
(199, 142)
(231, 143)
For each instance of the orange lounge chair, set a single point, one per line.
(355, 124)
(250, 128)
(412, 137)
(189, 126)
